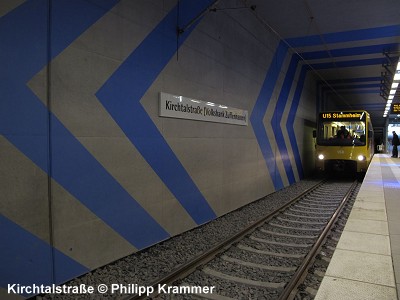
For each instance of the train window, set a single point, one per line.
(342, 133)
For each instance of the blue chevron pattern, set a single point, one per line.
(122, 93)
(33, 263)
(340, 37)
(29, 44)
(259, 110)
(346, 36)
(24, 122)
(278, 114)
(291, 119)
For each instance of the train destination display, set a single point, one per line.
(341, 115)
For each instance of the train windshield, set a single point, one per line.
(342, 132)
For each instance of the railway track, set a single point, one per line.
(269, 259)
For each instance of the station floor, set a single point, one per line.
(366, 262)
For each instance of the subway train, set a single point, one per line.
(344, 142)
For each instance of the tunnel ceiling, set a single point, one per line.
(352, 46)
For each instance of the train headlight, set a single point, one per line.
(361, 157)
(321, 157)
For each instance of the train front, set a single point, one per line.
(343, 142)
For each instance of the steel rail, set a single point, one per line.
(290, 289)
(210, 254)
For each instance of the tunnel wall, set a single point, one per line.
(90, 172)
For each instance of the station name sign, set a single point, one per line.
(173, 106)
(340, 115)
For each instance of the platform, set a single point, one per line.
(366, 262)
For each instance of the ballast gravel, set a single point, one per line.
(145, 266)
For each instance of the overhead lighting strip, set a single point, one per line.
(393, 89)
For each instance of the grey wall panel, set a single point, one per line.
(24, 190)
(226, 58)
(83, 236)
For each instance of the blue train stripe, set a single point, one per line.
(24, 121)
(259, 110)
(346, 36)
(278, 113)
(292, 117)
(121, 96)
(26, 259)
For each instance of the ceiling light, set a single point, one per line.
(397, 75)
(393, 89)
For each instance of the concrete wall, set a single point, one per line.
(89, 170)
